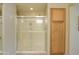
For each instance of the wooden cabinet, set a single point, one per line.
(57, 42)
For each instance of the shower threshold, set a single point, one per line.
(31, 53)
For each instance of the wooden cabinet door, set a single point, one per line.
(57, 42)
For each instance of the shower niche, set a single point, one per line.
(31, 28)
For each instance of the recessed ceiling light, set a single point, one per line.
(31, 8)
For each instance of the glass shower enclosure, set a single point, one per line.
(31, 34)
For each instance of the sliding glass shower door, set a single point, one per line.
(32, 34)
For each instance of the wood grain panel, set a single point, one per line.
(58, 38)
(57, 45)
(58, 14)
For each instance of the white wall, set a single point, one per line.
(9, 31)
(74, 33)
(57, 5)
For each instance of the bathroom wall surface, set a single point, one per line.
(74, 32)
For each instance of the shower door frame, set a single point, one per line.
(46, 52)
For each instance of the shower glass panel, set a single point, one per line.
(0, 34)
(32, 34)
